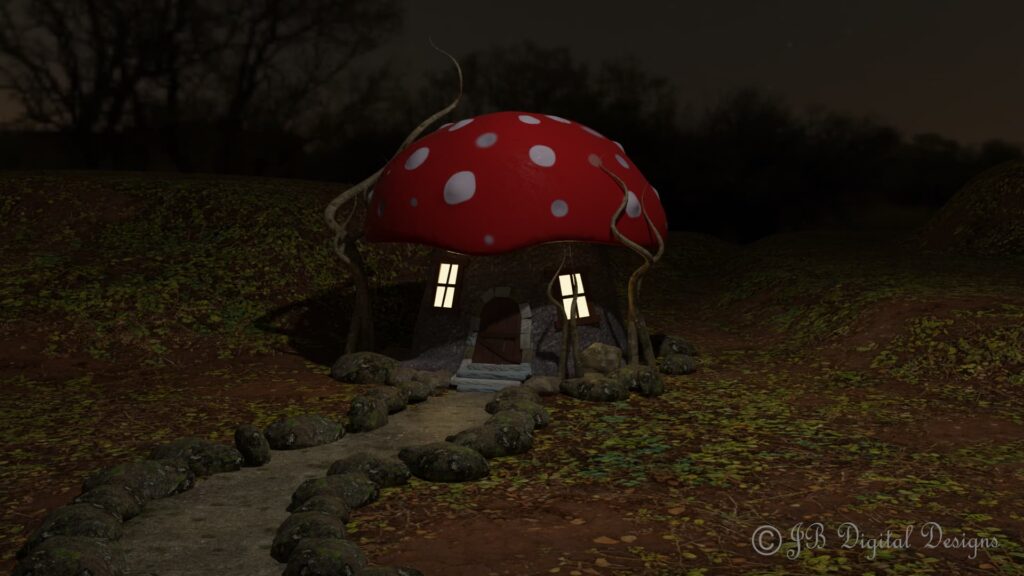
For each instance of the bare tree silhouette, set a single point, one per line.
(90, 67)
(275, 57)
(75, 65)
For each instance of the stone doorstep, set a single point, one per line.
(478, 371)
(464, 384)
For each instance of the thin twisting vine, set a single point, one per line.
(360, 333)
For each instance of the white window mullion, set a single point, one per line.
(572, 288)
(444, 294)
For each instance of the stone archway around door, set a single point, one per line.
(499, 350)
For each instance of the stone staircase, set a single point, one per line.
(477, 377)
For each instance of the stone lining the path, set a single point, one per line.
(227, 523)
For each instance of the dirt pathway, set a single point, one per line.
(226, 523)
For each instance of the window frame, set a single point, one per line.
(450, 258)
(584, 272)
(579, 293)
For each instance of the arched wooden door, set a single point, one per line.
(497, 342)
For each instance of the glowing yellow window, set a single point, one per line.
(445, 292)
(572, 287)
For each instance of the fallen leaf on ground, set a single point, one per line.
(628, 538)
(605, 540)
(602, 563)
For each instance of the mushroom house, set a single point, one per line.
(523, 212)
(502, 198)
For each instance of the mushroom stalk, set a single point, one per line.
(636, 327)
(360, 333)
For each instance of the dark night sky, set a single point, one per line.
(955, 67)
(952, 67)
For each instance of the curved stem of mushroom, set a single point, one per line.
(361, 325)
(571, 334)
(558, 310)
(570, 337)
(636, 327)
(644, 334)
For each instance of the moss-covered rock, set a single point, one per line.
(496, 439)
(596, 387)
(517, 393)
(85, 520)
(253, 445)
(203, 457)
(302, 431)
(518, 418)
(540, 415)
(148, 479)
(601, 358)
(327, 504)
(354, 488)
(415, 391)
(677, 364)
(116, 499)
(72, 556)
(444, 462)
(326, 557)
(382, 471)
(395, 397)
(640, 379)
(543, 385)
(401, 375)
(363, 368)
(304, 525)
(438, 380)
(366, 413)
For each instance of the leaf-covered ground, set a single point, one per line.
(842, 378)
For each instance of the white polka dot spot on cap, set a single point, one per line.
(486, 140)
(542, 155)
(460, 187)
(460, 124)
(632, 205)
(527, 119)
(622, 161)
(558, 119)
(488, 239)
(414, 202)
(417, 158)
(559, 208)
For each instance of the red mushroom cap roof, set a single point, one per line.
(508, 180)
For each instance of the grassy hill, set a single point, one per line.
(157, 269)
(985, 217)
